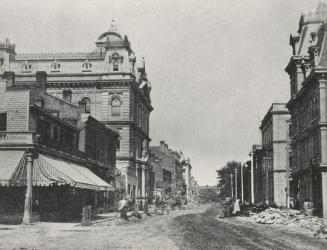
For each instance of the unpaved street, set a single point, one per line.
(187, 229)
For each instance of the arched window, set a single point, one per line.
(86, 103)
(115, 107)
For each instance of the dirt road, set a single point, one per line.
(187, 229)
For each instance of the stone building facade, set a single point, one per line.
(44, 146)
(307, 70)
(107, 83)
(274, 128)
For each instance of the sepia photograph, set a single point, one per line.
(163, 124)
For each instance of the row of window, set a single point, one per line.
(115, 104)
(309, 111)
(86, 66)
(307, 150)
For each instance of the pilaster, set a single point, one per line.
(323, 117)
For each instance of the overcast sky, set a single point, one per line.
(215, 66)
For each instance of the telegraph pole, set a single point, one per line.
(242, 188)
(231, 182)
(236, 182)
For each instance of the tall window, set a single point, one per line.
(115, 65)
(3, 121)
(86, 103)
(115, 107)
(67, 95)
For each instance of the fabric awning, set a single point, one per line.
(50, 169)
(47, 170)
(10, 162)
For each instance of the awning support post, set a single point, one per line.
(29, 183)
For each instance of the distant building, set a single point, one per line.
(274, 129)
(49, 143)
(307, 69)
(170, 171)
(107, 83)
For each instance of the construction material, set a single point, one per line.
(288, 217)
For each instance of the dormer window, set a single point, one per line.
(55, 67)
(27, 67)
(87, 66)
(116, 60)
(115, 66)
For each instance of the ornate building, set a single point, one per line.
(308, 107)
(274, 130)
(108, 84)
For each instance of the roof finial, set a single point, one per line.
(113, 25)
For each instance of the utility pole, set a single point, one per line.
(235, 182)
(252, 176)
(242, 187)
(231, 182)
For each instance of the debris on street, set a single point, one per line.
(288, 218)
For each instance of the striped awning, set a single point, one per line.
(10, 162)
(48, 170)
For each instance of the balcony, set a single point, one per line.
(16, 138)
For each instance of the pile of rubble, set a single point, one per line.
(288, 217)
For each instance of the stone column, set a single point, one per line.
(143, 181)
(252, 177)
(266, 159)
(136, 208)
(323, 119)
(324, 195)
(29, 183)
(144, 200)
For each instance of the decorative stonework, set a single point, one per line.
(116, 57)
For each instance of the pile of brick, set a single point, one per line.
(288, 217)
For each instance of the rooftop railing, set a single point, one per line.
(12, 138)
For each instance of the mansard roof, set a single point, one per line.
(61, 56)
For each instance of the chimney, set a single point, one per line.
(162, 146)
(41, 80)
(38, 91)
(10, 78)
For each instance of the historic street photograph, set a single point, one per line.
(163, 124)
